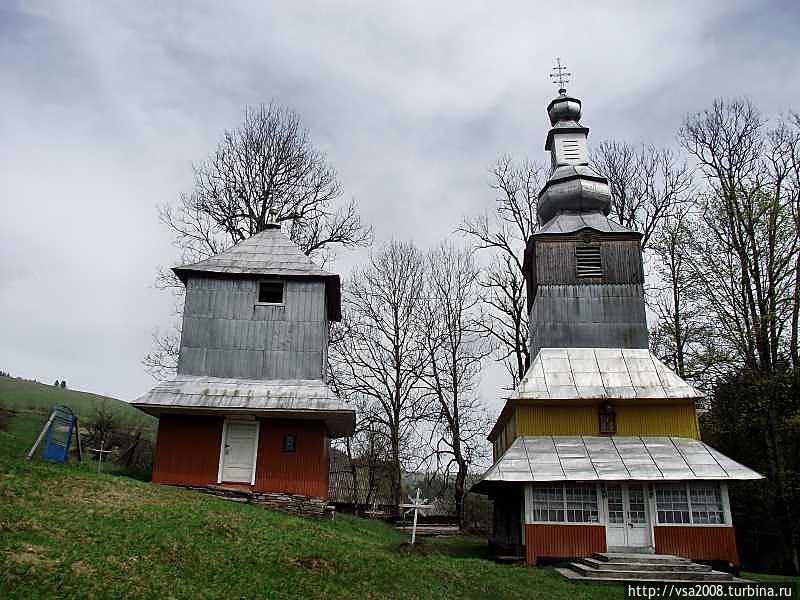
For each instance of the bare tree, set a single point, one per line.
(505, 234)
(647, 184)
(266, 169)
(456, 348)
(684, 335)
(748, 236)
(382, 356)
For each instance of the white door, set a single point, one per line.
(239, 451)
(628, 524)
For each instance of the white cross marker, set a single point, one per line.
(416, 504)
(100, 451)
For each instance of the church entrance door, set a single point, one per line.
(628, 519)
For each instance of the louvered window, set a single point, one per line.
(588, 262)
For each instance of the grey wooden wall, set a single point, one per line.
(554, 262)
(226, 333)
(595, 312)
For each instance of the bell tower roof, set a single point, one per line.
(573, 185)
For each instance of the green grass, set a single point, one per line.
(68, 532)
(31, 397)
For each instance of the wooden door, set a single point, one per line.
(239, 451)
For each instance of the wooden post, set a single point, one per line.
(78, 439)
(41, 434)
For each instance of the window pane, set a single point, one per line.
(615, 507)
(548, 503)
(270, 292)
(672, 504)
(581, 503)
(706, 503)
(636, 512)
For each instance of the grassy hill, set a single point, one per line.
(66, 531)
(31, 397)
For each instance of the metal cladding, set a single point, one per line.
(297, 399)
(560, 458)
(268, 253)
(242, 356)
(601, 373)
(573, 185)
(569, 221)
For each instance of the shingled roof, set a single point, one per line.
(267, 253)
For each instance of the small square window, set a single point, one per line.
(289, 443)
(270, 292)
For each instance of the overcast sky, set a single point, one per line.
(104, 106)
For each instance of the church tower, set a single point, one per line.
(598, 448)
(249, 412)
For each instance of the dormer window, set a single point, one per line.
(270, 292)
(588, 262)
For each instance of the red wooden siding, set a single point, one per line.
(304, 471)
(563, 541)
(698, 543)
(187, 450)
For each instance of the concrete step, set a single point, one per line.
(640, 558)
(625, 574)
(573, 575)
(653, 565)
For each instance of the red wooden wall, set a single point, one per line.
(187, 453)
(304, 471)
(563, 541)
(698, 543)
(187, 449)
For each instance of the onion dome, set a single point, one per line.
(573, 185)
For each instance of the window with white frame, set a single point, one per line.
(548, 503)
(581, 503)
(565, 503)
(689, 503)
(672, 503)
(706, 502)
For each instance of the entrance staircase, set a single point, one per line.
(663, 568)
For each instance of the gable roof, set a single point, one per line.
(267, 253)
(593, 458)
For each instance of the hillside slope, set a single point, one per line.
(67, 532)
(30, 396)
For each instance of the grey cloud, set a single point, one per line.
(105, 106)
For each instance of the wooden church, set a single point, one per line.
(598, 449)
(249, 408)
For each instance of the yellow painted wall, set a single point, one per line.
(634, 418)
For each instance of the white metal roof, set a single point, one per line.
(296, 398)
(571, 221)
(589, 458)
(268, 252)
(566, 373)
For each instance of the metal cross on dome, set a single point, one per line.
(560, 76)
(416, 504)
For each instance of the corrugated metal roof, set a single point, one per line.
(296, 398)
(587, 458)
(269, 252)
(571, 221)
(600, 373)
